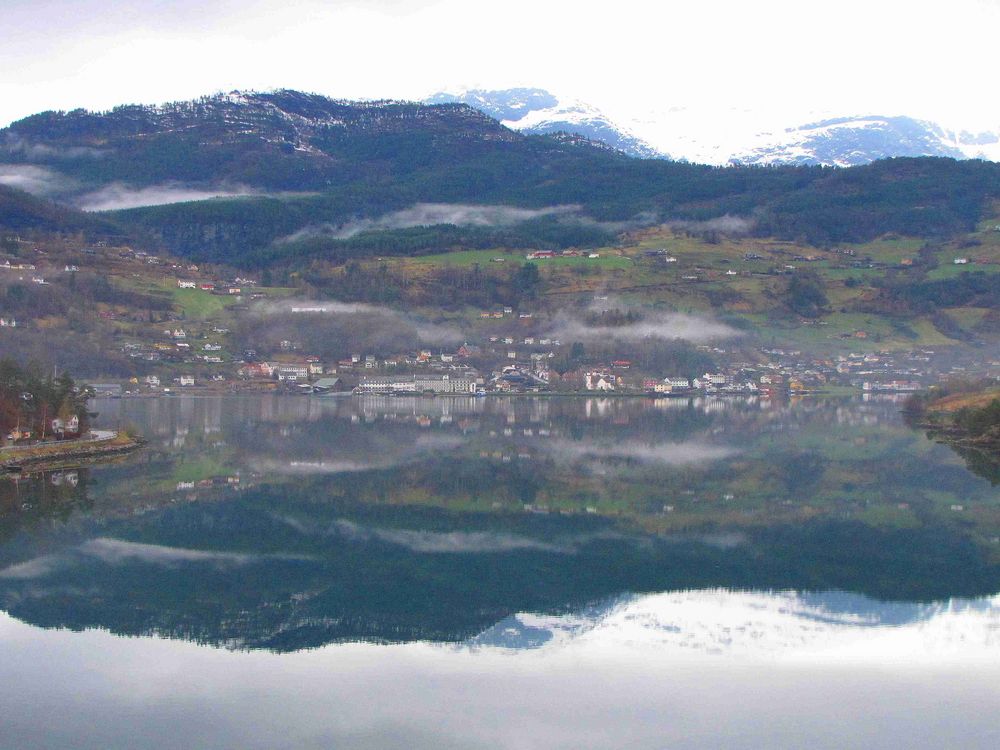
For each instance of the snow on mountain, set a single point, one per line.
(820, 626)
(536, 111)
(849, 141)
(728, 136)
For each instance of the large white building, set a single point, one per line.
(463, 382)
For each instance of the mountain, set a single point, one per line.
(536, 111)
(842, 141)
(25, 213)
(257, 179)
(238, 142)
(851, 141)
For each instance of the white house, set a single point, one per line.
(599, 380)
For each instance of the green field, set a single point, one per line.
(468, 258)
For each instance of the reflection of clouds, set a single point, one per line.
(271, 466)
(419, 540)
(463, 542)
(666, 454)
(108, 691)
(117, 552)
(445, 542)
(719, 540)
(114, 551)
(382, 456)
(36, 568)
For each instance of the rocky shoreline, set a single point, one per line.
(13, 459)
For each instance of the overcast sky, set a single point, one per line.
(793, 59)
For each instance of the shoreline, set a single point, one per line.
(15, 457)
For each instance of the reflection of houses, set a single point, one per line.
(69, 478)
(893, 386)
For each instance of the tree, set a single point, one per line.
(805, 294)
(527, 281)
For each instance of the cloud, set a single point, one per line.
(660, 326)
(724, 224)
(380, 323)
(430, 214)
(42, 151)
(34, 180)
(118, 196)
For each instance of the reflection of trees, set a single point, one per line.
(984, 463)
(801, 471)
(288, 569)
(41, 499)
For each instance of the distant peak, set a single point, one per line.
(537, 111)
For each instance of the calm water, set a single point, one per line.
(375, 572)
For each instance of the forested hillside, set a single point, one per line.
(303, 175)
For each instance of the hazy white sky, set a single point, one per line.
(792, 58)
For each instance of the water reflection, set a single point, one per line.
(284, 567)
(288, 522)
(683, 670)
(408, 572)
(753, 624)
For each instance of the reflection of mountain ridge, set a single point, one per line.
(286, 570)
(754, 622)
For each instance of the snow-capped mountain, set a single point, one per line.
(536, 111)
(726, 137)
(850, 141)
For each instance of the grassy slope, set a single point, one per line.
(699, 282)
(956, 401)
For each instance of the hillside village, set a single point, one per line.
(171, 323)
